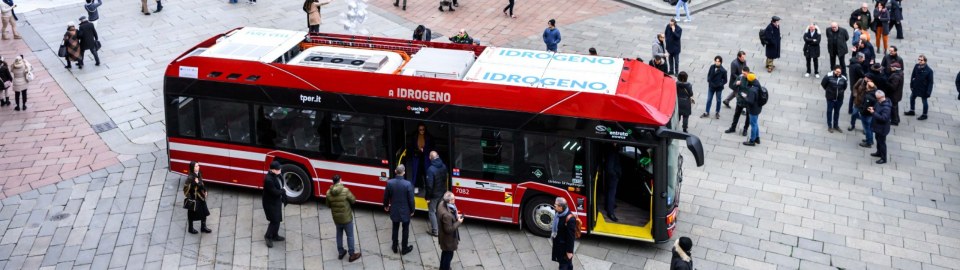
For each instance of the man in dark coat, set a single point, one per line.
(736, 70)
(862, 17)
(896, 92)
(869, 55)
(921, 85)
(856, 72)
(878, 77)
(672, 33)
(274, 198)
(741, 90)
(659, 64)
(896, 16)
(811, 49)
(837, 45)
(881, 125)
(682, 259)
(772, 36)
(398, 201)
(566, 235)
(88, 40)
(435, 187)
(450, 221)
(893, 56)
(834, 85)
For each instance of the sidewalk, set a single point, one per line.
(50, 141)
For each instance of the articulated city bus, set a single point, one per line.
(516, 128)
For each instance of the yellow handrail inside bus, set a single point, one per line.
(402, 154)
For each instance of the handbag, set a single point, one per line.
(97, 45)
(63, 51)
(190, 204)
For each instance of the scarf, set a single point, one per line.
(556, 219)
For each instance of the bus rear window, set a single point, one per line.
(186, 109)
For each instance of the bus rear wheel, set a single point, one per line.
(297, 183)
(538, 215)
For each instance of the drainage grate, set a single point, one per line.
(59, 217)
(105, 126)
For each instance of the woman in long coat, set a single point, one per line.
(196, 191)
(19, 69)
(312, 8)
(811, 49)
(72, 41)
(6, 83)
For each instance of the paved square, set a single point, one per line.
(804, 199)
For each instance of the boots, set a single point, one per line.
(5, 102)
(190, 227)
(159, 6)
(203, 226)
(24, 94)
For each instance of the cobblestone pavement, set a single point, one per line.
(50, 141)
(804, 199)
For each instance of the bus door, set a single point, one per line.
(412, 141)
(622, 189)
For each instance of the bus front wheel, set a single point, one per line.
(538, 215)
(297, 183)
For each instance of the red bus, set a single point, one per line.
(516, 128)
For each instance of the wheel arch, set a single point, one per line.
(297, 160)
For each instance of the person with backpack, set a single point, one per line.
(565, 233)
(755, 98)
(771, 40)
(341, 200)
(866, 100)
(834, 84)
(436, 186)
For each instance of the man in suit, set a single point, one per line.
(274, 198)
(398, 201)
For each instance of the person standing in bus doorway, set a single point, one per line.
(312, 8)
(341, 200)
(682, 259)
(274, 199)
(450, 220)
(563, 241)
(551, 36)
(196, 199)
(435, 187)
(421, 144)
(398, 201)
(672, 35)
(613, 172)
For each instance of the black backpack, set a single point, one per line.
(763, 96)
(763, 40)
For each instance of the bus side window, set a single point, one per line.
(486, 153)
(552, 159)
(358, 136)
(227, 121)
(185, 108)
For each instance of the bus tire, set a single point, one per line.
(538, 215)
(297, 183)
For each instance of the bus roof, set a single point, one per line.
(601, 88)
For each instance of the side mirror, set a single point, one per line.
(693, 142)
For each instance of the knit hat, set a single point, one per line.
(751, 77)
(275, 165)
(686, 244)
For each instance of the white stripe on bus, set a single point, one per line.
(220, 166)
(345, 183)
(197, 149)
(350, 168)
(486, 201)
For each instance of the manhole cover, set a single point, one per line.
(59, 217)
(105, 126)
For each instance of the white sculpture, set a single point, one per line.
(353, 18)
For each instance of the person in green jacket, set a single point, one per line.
(340, 201)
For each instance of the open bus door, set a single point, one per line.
(633, 200)
(407, 137)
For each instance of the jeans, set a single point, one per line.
(348, 229)
(432, 213)
(445, 258)
(833, 113)
(673, 63)
(406, 233)
(913, 102)
(710, 97)
(816, 64)
(867, 121)
(682, 4)
(754, 129)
